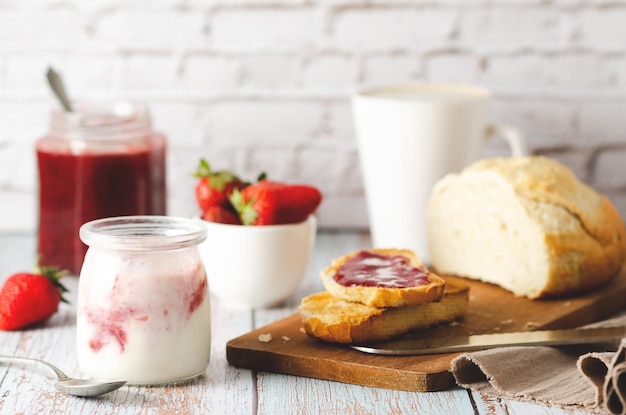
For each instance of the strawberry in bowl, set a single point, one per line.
(213, 190)
(273, 203)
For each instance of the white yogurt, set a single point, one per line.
(143, 315)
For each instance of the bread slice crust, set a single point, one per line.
(377, 296)
(333, 319)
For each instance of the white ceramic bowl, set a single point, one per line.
(257, 266)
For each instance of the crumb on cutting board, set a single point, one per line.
(531, 325)
(265, 337)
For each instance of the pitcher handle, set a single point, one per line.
(513, 137)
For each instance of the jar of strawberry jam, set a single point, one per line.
(101, 160)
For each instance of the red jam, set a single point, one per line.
(371, 269)
(75, 188)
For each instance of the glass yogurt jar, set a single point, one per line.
(143, 312)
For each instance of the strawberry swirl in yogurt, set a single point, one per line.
(371, 269)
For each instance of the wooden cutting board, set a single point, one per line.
(491, 310)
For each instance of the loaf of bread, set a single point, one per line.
(526, 224)
(336, 320)
(374, 280)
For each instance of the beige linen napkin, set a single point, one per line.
(566, 377)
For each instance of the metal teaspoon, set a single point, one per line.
(56, 84)
(77, 387)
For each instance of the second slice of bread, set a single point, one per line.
(336, 320)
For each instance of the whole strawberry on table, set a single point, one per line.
(223, 197)
(28, 298)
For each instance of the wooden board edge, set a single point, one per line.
(377, 376)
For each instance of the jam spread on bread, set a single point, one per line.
(375, 270)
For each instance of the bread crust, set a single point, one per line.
(382, 296)
(583, 232)
(336, 320)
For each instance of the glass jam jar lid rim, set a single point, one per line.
(119, 108)
(143, 232)
(103, 120)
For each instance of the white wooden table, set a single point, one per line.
(224, 389)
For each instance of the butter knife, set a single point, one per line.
(476, 342)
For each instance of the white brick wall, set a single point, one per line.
(258, 85)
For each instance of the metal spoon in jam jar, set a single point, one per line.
(56, 84)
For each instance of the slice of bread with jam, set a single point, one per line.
(382, 278)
